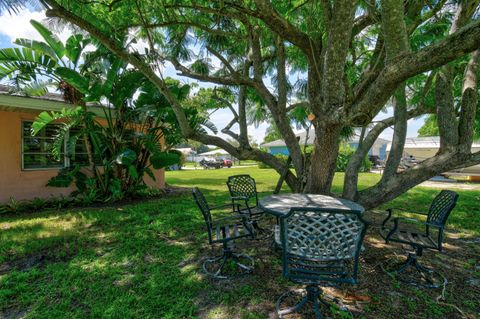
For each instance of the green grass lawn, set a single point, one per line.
(142, 261)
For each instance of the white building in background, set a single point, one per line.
(422, 148)
(279, 147)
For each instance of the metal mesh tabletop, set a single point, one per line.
(279, 205)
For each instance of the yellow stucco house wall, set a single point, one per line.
(26, 184)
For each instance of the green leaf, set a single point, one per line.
(73, 78)
(132, 171)
(50, 38)
(127, 157)
(37, 46)
(112, 75)
(125, 86)
(41, 121)
(36, 88)
(164, 159)
(150, 173)
(26, 62)
(60, 181)
(45, 118)
(74, 47)
(200, 66)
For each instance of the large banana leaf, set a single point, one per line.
(74, 78)
(36, 88)
(24, 60)
(112, 75)
(125, 87)
(45, 118)
(37, 46)
(52, 40)
(74, 47)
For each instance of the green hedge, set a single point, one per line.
(345, 153)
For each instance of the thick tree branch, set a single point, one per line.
(350, 188)
(400, 183)
(396, 43)
(281, 74)
(469, 104)
(336, 50)
(270, 16)
(452, 47)
(193, 25)
(234, 80)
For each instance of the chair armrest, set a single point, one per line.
(239, 198)
(390, 212)
(404, 210)
(416, 221)
(235, 217)
(220, 206)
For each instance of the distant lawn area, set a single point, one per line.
(143, 260)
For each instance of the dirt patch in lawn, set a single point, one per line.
(37, 259)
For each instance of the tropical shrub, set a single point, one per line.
(127, 144)
(345, 153)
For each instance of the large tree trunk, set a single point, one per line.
(323, 158)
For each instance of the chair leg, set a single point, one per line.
(261, 233)
(244, 264)
(294, 308)
(311, 294)
(426, 274)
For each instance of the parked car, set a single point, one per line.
(210, 162)
(376, 161)
(227, 163)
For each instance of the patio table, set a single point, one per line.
(279, 205)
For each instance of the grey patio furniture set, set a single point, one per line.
(320, 237)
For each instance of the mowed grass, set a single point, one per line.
(465, 217)
(141, 260)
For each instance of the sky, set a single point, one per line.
(18, 26)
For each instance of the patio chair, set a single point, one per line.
(321, 246)
(224, 231)
(243, 192)
(430, 238)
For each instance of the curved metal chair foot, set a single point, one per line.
(237, 258)
(217, 271)
(294, 308)
(314, 295)
(260, 232)
(428, 278)
(217, 267)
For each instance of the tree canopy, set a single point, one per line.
(341, 61)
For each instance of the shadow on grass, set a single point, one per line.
(143, 261)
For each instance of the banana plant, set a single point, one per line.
(128, 142)
(32, 67)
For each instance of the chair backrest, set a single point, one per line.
(325, 236)
(243, 185)
(441, 207)
(204, 208)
